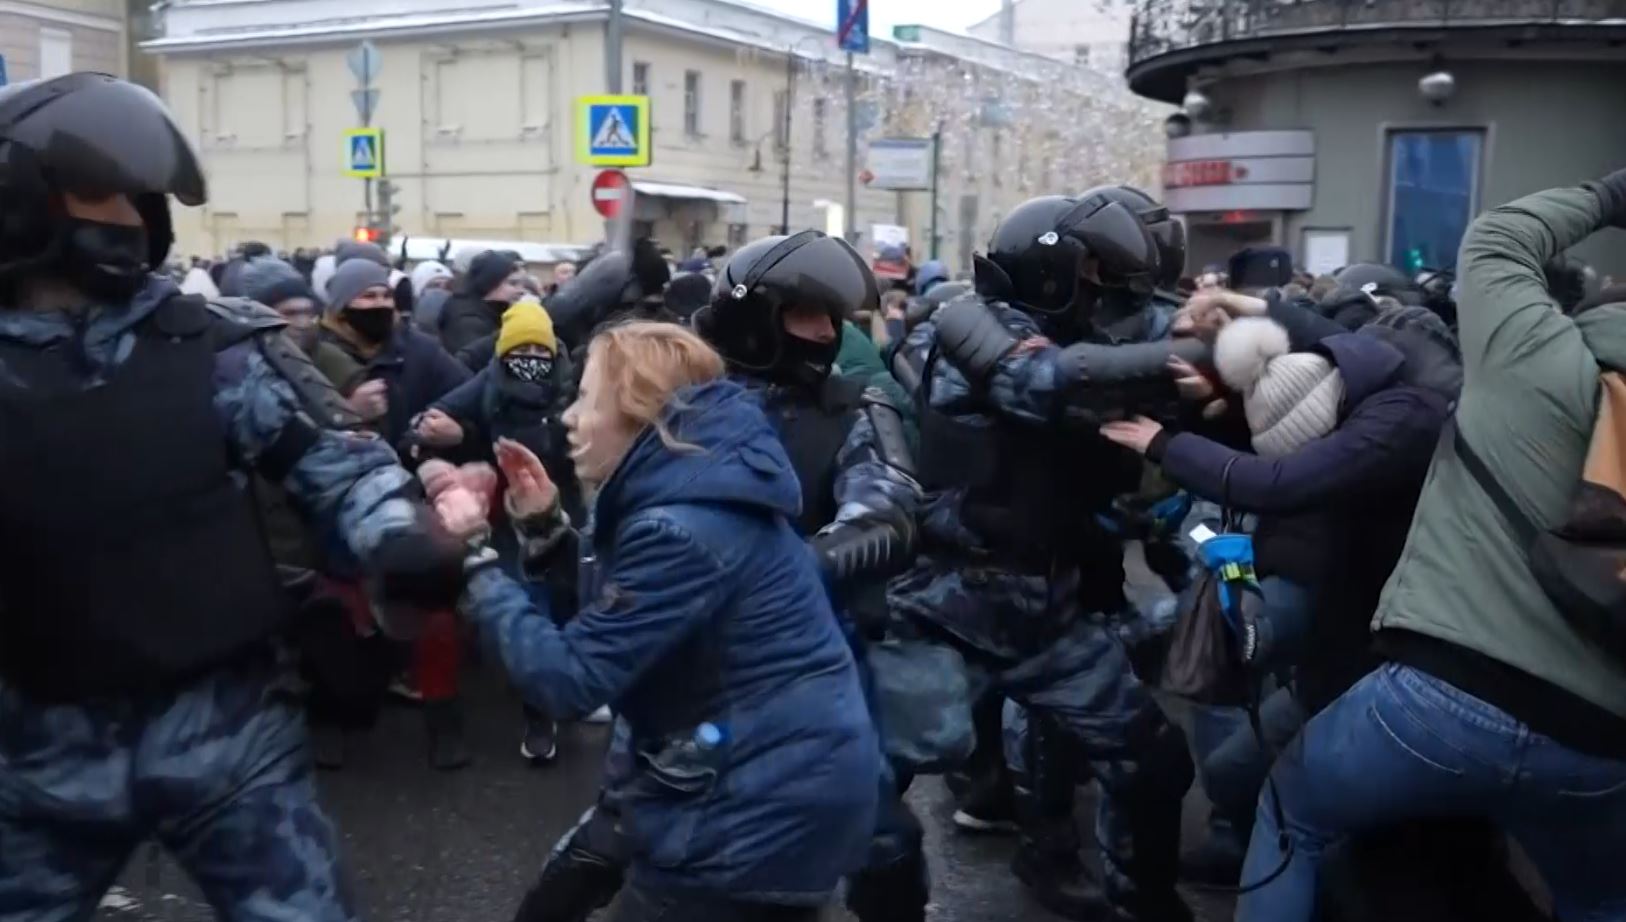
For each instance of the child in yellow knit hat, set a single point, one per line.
(527, 324)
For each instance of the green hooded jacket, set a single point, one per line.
(1529, 399)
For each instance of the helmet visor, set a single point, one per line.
(96, 136)
(1114, 235)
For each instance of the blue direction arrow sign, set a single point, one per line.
(852, 25)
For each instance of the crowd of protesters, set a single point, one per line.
(804, 541)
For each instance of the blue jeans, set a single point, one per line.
(1402, 744)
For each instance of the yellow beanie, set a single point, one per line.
(526, 324)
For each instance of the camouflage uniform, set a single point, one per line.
(215, 768)
(1039, 624)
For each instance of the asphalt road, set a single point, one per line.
(425, 846)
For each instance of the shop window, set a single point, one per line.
(1433, 194)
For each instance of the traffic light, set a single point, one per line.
(366, 235)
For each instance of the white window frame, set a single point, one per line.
(56, 52)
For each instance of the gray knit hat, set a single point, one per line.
(351, 279)
(1291, 398)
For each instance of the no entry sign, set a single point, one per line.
(611, 190)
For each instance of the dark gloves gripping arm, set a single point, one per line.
(870, 548)
(1611, 191)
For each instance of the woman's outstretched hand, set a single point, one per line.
(531, 492)
(461, 495)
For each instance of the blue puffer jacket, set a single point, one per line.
(710, 609)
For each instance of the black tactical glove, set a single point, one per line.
(1611, 190)
(869, 549)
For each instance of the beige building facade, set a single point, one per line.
(48, 38)
(478, 108)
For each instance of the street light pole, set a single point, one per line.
(612, 49)
(852, 152)
(790, 101)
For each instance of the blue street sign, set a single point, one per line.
(852, 25)
(613, 130)
(364, 153)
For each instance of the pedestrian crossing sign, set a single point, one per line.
(613, 131)
(364, 153)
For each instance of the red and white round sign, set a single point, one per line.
(611, 192)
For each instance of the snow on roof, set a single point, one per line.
(679, 190)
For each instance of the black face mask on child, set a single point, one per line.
(532, 369)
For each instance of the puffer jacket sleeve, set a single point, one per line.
(662, 588)
(352, 487)
(1505, 312)
(1387, 441)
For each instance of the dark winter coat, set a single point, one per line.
(416, 372)
(712, 611)
(1363, 478)
(466, 318)
(492, 405)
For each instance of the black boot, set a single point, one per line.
(1047, 859)
(540, 744)
(327, 746)
(448, 750)
(895, 892)
(987, 806)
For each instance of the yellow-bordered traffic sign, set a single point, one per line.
(613, 131)
(364, 153)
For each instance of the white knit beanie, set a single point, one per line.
(1291, 398)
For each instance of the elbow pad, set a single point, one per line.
(871, 548)
(971, 337)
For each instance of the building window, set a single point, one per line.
(56, 52)
(691, 101)
(1433, 194)
(781, 130)
(640, 78)
(1081, 55)
(736, 111)
(820, 116)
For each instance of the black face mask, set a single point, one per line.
(373, 325)
(105, 261)
(804, 361)
(532, 369)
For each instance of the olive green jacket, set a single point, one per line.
(1529, 399)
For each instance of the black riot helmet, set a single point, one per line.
(94, 136)
(1169, 233)
(1376, 280)
(770, 277)
(1038, 256)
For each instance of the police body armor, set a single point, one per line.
(133, 558)
(813, 433)
(1031, 492)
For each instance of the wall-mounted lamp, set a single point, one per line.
(1437, 87)
(1197, 105)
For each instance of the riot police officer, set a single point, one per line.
(775, 316)
(1014, 564)
(145, 693)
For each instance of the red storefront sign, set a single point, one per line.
(1202, 173)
